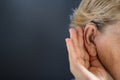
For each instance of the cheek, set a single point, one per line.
(109, 55)
(102, 52)
(105, 53)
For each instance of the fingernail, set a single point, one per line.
(79, 29)
(66, 39)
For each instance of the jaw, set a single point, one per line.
(111, 63)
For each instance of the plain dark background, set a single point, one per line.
(32, 39)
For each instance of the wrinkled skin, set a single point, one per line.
(82, 65)
(104, 65)
(108, 48)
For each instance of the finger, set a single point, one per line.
(73, 57)
(80, 37)
(71, 52)
(95, 62)
(81, 44)
(73, 63)
(86, 74)
(70, 46)
(74, 37)
(81, 48)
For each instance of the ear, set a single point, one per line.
(90, 32)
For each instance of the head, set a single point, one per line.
(100, 20)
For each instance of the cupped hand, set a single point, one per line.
(82, 65)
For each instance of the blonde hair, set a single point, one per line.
(97, 11)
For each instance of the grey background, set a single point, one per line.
(32, 33)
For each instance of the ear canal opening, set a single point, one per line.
(92, 39)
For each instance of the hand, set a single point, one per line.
(83, 66)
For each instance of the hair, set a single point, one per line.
(100, 12)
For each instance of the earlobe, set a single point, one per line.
(89, 36)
